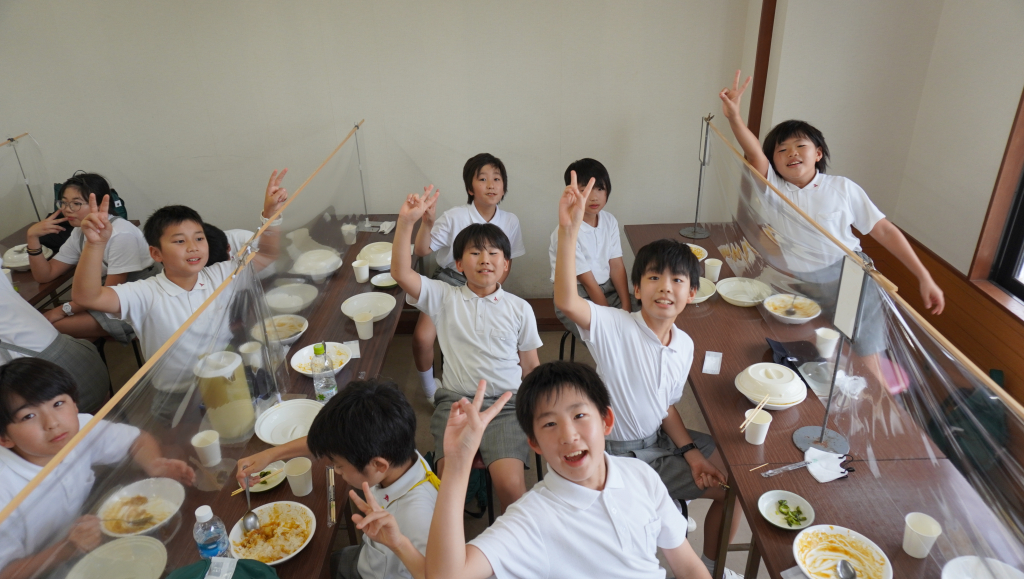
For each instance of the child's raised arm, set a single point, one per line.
(426, 224)
(381, 526)
(87, 289)
(891, 238)
(448, 555)
(401, 262)
(270, 242)
(731, 109)
(570, 216)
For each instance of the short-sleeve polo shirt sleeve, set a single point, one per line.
(529, 338)
(515, 237)
(433, 294)
(865, 213)
(514, 546)
(134, 298)
(441, 234)
(673, 524)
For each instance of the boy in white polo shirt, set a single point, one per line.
(594, 515)
(486, 186)
(484, 332)
(600, 273)
(38, 417)
(644, 360)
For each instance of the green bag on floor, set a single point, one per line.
(475, 491)
(246, 569)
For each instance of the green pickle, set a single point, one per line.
(793, 516)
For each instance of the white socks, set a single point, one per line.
(707, 563)
(427, 380)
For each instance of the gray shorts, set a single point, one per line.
(658, 450)
(119, 330)
(345, 562)
(610, 295)
(502, 439)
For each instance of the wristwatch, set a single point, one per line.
(685, 449)
(67, 309)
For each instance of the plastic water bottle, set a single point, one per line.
(323, 374)
(210, 534)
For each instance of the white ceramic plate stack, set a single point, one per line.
(378, 254)
(169, 492)
(291, 298)
(377, 303)
(127, 558)
(785, 388)
(706, 290)
(339, 353)
(263, 512)
(287, 421)
(743, 292)
(318, 264)
(806, 309)
(16, 258)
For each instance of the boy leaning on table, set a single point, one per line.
(594, 515)
(369, 432)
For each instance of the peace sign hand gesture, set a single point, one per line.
(731, 97)
(276, 194)
(573, 203)
(96, 225)
(430, 214)
(376, 523)
(416, 206)
(46, 226)
(466, 425)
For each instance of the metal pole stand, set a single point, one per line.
(824, 438)
(696, 231)
(365, 224)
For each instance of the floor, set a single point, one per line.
(398, 366)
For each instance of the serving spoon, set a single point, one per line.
(250, 520)
(790, 312)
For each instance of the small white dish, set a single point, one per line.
(297, 325)
(377, 303)
(383, 280)
(169, 492)
(291, 298)
(287, 421)
(806, 309)
(271, 481)
(300, 510)
(816, 550)
(339, 353)
(974, 567)
(769, 502)
(16, 258)
(135, 557)
(706, 290)
(743, 292)
(698, 251)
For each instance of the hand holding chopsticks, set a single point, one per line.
(754, 413)
(272, 473)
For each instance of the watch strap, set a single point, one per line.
(685, 449)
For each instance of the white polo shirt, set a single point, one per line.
(237, 238)
(127, 250)
(453, 221)
(412, 508)
(562, 529)
(643, 377)
(481, 337)
(595, 247)
(46, 515)
(21, 324)
(836, 203)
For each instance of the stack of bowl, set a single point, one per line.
(784, 388)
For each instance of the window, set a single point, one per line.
(1008, 269)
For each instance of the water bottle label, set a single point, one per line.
(221, 568)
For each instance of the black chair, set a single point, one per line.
(572, 347)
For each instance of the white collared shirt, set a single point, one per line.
(481, 337)
(126, 252)
(46, 515)
(412, 508)
(562, 529)
(237, 238)
(21, 324)
(643, 377)
(595, 248)
(836, 203)
(453, 221)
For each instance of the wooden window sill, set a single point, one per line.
(999, 296)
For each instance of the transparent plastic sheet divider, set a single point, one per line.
(919, 416)
(23, 169)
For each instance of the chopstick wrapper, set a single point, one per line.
(353, 347)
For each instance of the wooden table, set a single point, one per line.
(912, 473)
(33, 292)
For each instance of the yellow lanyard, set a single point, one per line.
(431, 477)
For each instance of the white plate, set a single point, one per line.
(378, 254)
(257, 333)
(806, 309)
(698, 251)
(383, 280)
(706, 290)
(743, 292)
(972, 567)
(127, 558)
(271, 481)
(291, 298)
(169, 491)
(378, 304)
(769, 502)
(318, 263)
(287, 421)
(816, 560)
(16, 257)
(339, 353)
(236, 535)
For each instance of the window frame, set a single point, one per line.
(1010, 256)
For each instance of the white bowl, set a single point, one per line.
(378, 254)
(272, 480)
(281, 322)
(806, 309)
(165, 490)
(383, 280)
(974, 567)
(698, 251)
(812, 546)
(291, 298)
(769, 502)
(743, 292)
(783, 385)
(134, 557)
(706, 290)
(263, 511)
(377, 303)
(287, 421)
(317, 263)
(16, 258)
(339, 353)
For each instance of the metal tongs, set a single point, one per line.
(788, 467)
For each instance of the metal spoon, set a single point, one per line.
(250, 521)
(791, 311)
(845, 570)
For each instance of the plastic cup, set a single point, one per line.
(919, 534)
(362, 269)
(712, 268)
(300, 475)
(757, 430)
(349, 232)
(252, 354)
(826, 340)
(364, 325)
(207, 445)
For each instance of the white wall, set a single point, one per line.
(195, 102)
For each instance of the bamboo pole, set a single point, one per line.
(12, 139)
